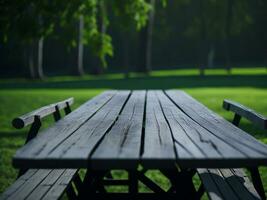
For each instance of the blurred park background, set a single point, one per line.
(51, 50)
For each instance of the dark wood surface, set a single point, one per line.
(245, 112)
(120, 129)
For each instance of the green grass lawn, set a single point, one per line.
(247, 86)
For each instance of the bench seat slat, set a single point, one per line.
(45, 185)
(36, 184)
(29, 184)
(227, 184)
(61, 184)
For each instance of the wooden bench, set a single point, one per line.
(243, 111)
(234, 183)
(43, 183)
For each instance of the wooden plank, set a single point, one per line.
(238, 185)
(159, 148)
(121, 145)
(225, 189)
(63, 104)
(30, 184)
(45, 185)
(202, 146)
(87, 137)
(246, 182)
(246, 112)
(222, 129)
(28, 118)
(211, 188)
(223, 186)
(60, 185)
(36, 184)
(42, 112)
(50, 138)
(17, 184)
(227, 184)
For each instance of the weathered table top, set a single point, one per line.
(121, 129)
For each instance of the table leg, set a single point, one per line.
(181, 180)
(92, 184)
(256, 180)
(182, 183)
(133, 182)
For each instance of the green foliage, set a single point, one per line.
(135, 10)
(102, 46)
(29, 20)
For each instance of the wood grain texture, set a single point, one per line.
(56, 190)
(194, 144)
(78, 147)
(121, 145)
(246, 112)
(28, 118)
(221, 129)
(50, 138)
(158, 142)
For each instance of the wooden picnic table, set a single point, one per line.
(154, 128)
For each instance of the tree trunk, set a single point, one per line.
(203, 52)
(145, 38)
(126, 62)
(80, 69)
(211, 55)
(229, 16)
(102, 27)
(40, 73)
(31, 60)
(149, 36)
(34, 55)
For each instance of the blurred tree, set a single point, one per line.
(131, 15)
(228, 25)
(213, 23)
(145, 41)
(32, 21)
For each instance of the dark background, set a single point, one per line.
(171, 48)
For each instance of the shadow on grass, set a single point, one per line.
(17, 134)
(258, 81)
(12, 140)
(253, 130)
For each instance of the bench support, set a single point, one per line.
(34, 129)
(236, 119)
(182, 185)
(133, 182)
(32, 133)
(67, 109)
(257, 182)
(56, 114)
